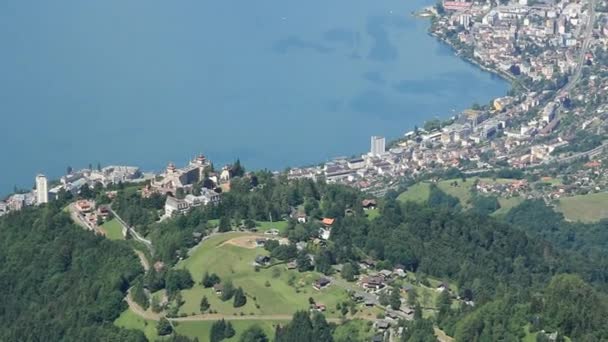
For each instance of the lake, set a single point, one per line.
(274, 83)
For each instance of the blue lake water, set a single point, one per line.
(274, 82)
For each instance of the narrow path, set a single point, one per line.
(139, 311)
(133, 233)
(142, 259)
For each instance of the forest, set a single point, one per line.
(60, 282)
(527, 269)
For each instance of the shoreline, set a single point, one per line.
(424, 13)
(471, 60)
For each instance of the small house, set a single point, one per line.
(272, 231)
(442, 287)
(301, 218)
(368, 204)
(386, 273)
(373, 283)
(382, 325)
(292, 265)
(328, 222)
(321, 283)
(218, 288)
(260, 242)
(318, 307)
(369, 303)
(262, 260)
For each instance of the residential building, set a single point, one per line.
(42, 191)
(378, 146)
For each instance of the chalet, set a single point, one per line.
(373, 283)
(378, 338)
(357, 297)
(368, 204)
(260, 242)
(442, 287)
(382, 325)
(321, 283)
(262, 260)
(272, 231)
(367, 263)
(197, 236)
(407, 288)
(318, 307)
(218, 288)
(399, 271)
(386, 273)
(406, 310)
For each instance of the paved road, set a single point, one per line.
(590, 153)
(133, 233)
(587, 37)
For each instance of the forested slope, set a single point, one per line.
(60, 283)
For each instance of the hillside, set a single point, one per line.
(61, 283)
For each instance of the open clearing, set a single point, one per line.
(270, 291)
(420, 192)
(585, 208)
(113, 230)
(192, 329)
(242, 241)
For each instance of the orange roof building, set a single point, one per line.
(328, 221)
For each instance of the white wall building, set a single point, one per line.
(42, 191)
(378, 146)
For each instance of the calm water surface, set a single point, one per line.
(274, 82)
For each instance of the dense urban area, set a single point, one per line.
(489, 225)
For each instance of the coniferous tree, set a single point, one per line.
(253, 334)
(139, 295)
(164, 327)
(321, 331)
(303, 262)
(227, 291)
(239, 298)
(395, 299)
(205, 304)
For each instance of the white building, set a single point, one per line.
(174, 206)
(378, 146)
(42, 191)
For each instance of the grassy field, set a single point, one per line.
(585, 208)
(261, 225)
(418, 192)
(267, 225)
(507, 204)
(195, 329)
(201, 330)
(372, 213)
(129, 320)
(113, 230)
(270, 287)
